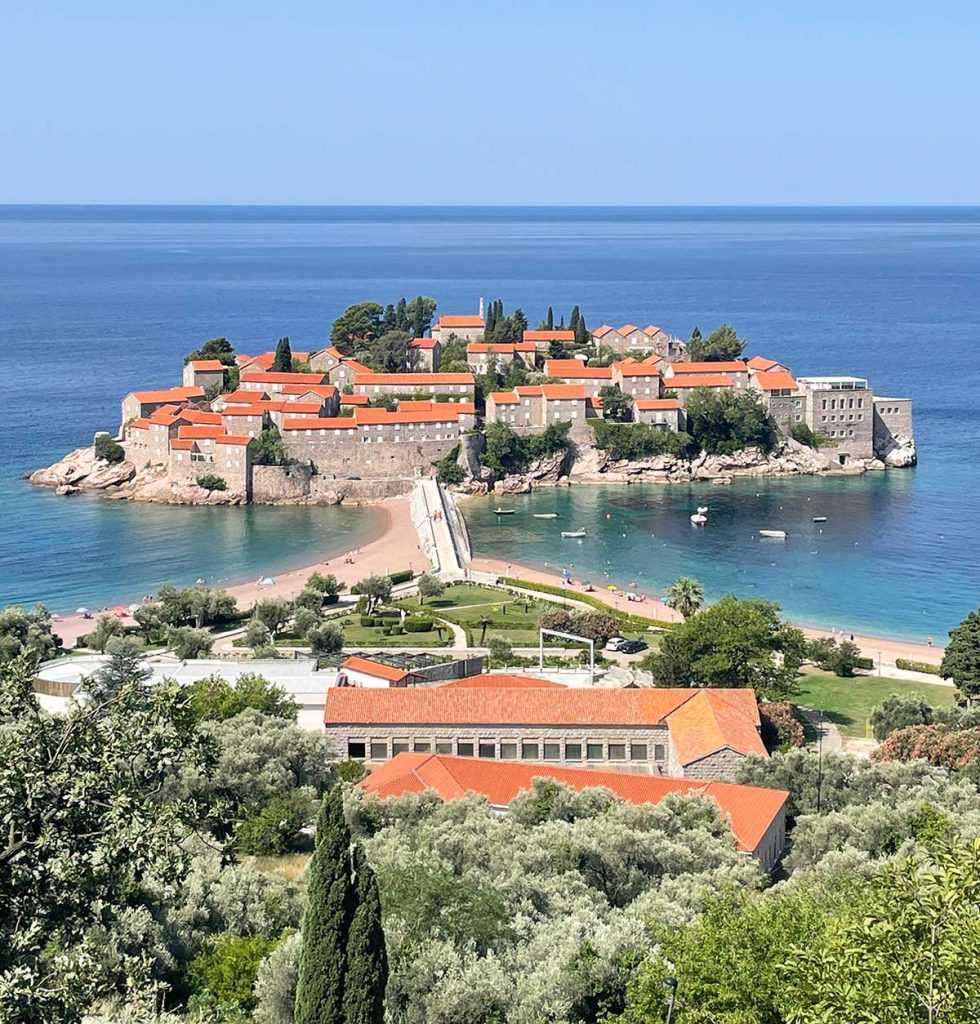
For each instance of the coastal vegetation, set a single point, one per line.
(722, 344)
(108, 450)
(378, 335)
(686, 596)
(212, 482)
(506, 451)
(961, 660)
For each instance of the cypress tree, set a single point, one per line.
(582, 336)
(418, 324)
(327, 920)
(573, 320)
(550, 319)
(284, 357)
(367, 959)
(401, 316)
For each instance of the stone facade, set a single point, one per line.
(720, 766)
(459, 386)
(842, 410)
(637, 381)
(892, 421)
(660, 412)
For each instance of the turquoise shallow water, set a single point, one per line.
(872, 567)
(99, 300)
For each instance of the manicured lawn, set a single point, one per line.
(848, 702)
(460, 595)
(356, 635)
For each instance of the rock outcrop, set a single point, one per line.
(80, 470)
(899, 453)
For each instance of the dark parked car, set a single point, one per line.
(632, 647)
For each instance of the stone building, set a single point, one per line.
(660, 412)
(735, 369)
(892, 426)
(203, 373)
(842, 410)
(542, 340)
(204, 451)
(273, 383)
(467, 328)
(139, 404)
(482, 356)
(630, 338)
(459, 386)
(639, 380)
(756, 816)
(780, 395)
(690, 733)
(425, 354)
(684, 385)
(574, 371)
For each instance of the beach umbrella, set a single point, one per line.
(120, 612)
(266, 581)
(612, 586)
(81, 611)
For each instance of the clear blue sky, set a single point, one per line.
(623, 101)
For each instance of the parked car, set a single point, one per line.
(631, 647)
(615, 643)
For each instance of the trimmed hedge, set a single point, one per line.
(402, 576)
(866, 663)
(575, 595)
(369, 620)
(918, 666)
(418, 624)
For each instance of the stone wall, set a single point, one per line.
(337, 454)
(290, 485)
(719, 767)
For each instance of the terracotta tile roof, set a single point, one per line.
(628, 329)
(200, 433)
(555, 335)
(460, 321)
(504, 398)
(631, 368)
(412, 379)
(557, 392)
(751, 810)
(324, 390)
(775, 380)
(207, 364)
(708, 366)
(441, 412)
(373, 668)
(166, 415)
(234, 439)
(761, 363)
(319, 423)
(568, 368)
(502, 680)
(262, 361)
(140, 424)
(199, 416)
(247, 410)
(181, 444)
(284, 378)
(463, 408)
(529, 390)
(652, 360)
(423, 343)
(699, 380)
(357, 367)
(602, 331)
(649, 404)
(714, 720)
(577, 706)
(244, 396)
(354, 400)
(652, 330)
(167, 395)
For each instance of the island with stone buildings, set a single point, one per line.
(487, 403)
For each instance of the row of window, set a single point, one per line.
(886, 409)
(850, 403)
(508, 749)
(851, 417)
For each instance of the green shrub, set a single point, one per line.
(418, 624)
(918, 666)
(368, 620)
(402, 576)
(275, 828)
(212, 482)
(865, 663)
(639, 440)
(108, 450)
(224, 972)
(388, 613)
(395, 631)
(640, 621)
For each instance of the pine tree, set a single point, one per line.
(401, 316)
(284, 357)
(518, 324)
(550, 319)
(326, 923)
(367, 959)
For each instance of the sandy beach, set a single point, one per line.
(396, 548)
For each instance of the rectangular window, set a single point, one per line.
(421, 746)
(529, 751)
(444, 746)
(617, 751)
(659, 752)
(355, 749)
(552, 751)
(573, 751)
(593, 751)
(399, 747)
(638, 751)
(488, 748)
(464, 748)
(379, 750)
(508, 750)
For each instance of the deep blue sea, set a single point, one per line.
(95, 301)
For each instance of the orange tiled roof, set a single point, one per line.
(181, 444)
(284, 378)
(628, 329)
(319, 423)
(353, 364)
(750, 809)
(263, 361)
(200, 433)
(529, 390)
(761, 363)
(565, 368)
(235, 439)
(504, 398)
(423, 343)
(410, 379)
(166, 415)
(649, 404)
(714, 720)
(460, 321)
(718, 366)
(374, 668)
(652, 330)
(244, 396)
(354, 400)
(207, 364)
(199, 416)
(775, 380)
(324, 390)
(294, 408)
(557, 392)
(631, 368)
(602, 331)
(554, 335)
(441, 412)
(502, 680)
(140, 424)
(247, 410)
(699, 380)
(167, 395)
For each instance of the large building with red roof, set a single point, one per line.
(703, 734)
(756, 816)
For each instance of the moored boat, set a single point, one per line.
(777, 534)
(573, 533)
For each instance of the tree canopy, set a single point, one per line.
(725, 422)
(720, 345)
(216, 348)
(961, 661)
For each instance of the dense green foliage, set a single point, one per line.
(802, 433)
(616, 406)
(379, 336)
(214, 699)
(448, 469)
(919, 666)
(189, 643)
(720, 345)
(841, 657)
(223, 973)
(961, 661)
(212, 482)
(725, 422)
(198, 605)
(640, 440)
(500, 327)
(506, 451)
(108, 450)
(283, 362)
(732, 643)
(268, 449)
(216, 348)
(27, 633)
(685, 595)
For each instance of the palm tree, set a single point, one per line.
(484, 624)
(685, 596)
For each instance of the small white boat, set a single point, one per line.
(504, 511)
(545, 515)
(698, 519)
(573, 533)
(820, 519)
(777, 534)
